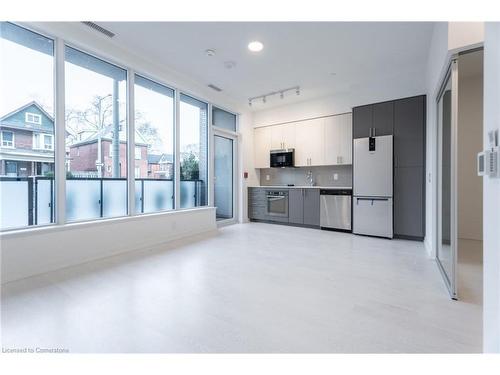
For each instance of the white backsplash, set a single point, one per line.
(323, 176)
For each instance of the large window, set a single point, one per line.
(154, 146)
(96, 137)
(26, 108)
(96, 156)
(193, 152)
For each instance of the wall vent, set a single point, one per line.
(99, 29)
(213, 87)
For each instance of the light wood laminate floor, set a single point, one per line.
(250, 288)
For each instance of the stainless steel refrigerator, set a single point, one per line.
(372, 186)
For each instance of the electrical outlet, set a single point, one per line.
(268, 177)
(335, 176)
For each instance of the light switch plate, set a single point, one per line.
(268, 177)
(335, 176)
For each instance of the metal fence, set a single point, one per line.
(28, 201)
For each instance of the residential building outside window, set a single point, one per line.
(26, 170)
(96, 137)
(193, 152)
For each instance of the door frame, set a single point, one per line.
(228, 134)
(449, 280)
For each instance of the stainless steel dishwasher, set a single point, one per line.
(335, 209)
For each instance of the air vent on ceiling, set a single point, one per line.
(213, 87)
(99, 29)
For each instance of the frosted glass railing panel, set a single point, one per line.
(45, 201)
(14, 204)
(114, 198)
(138, 197)
(188, 194)
(82, 199)
(158, 195)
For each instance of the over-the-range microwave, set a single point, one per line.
(282, 158)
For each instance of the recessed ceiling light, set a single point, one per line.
(333, 74)
(255, 46)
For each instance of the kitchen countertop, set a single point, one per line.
(303, 187)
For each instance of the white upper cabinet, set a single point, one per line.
(309, 150)
(262, 146)
(346, 139)
(338, 140)
(322, 141)
(283, 136)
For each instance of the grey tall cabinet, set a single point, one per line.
(405, 120)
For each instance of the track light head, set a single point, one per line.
(297, 91)
(282, 95)
(249, 103)
(264, 99)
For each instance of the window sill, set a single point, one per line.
(51, 228)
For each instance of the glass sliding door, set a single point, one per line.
(224, 177)
(446, 247)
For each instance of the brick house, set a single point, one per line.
(27, 142)
(85, 160)
(161, 166)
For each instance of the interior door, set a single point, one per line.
(446, 247)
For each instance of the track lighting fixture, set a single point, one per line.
(281, 93)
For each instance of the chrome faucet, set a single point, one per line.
(310, 178)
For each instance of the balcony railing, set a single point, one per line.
(30, 200)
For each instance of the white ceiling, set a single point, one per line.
(295, 53)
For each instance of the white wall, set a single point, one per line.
(491, 195)
(38, 250)
(470, 142)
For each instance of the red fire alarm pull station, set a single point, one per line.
(245, 174)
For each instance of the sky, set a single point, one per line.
(26, 75)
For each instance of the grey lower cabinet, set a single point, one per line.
(257, 204)
(311, 207)
(303, 206)
(296, 206)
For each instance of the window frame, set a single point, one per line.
(36, 145)
(45, 136)
(13, 141)
(137, 150)
(34, 115)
